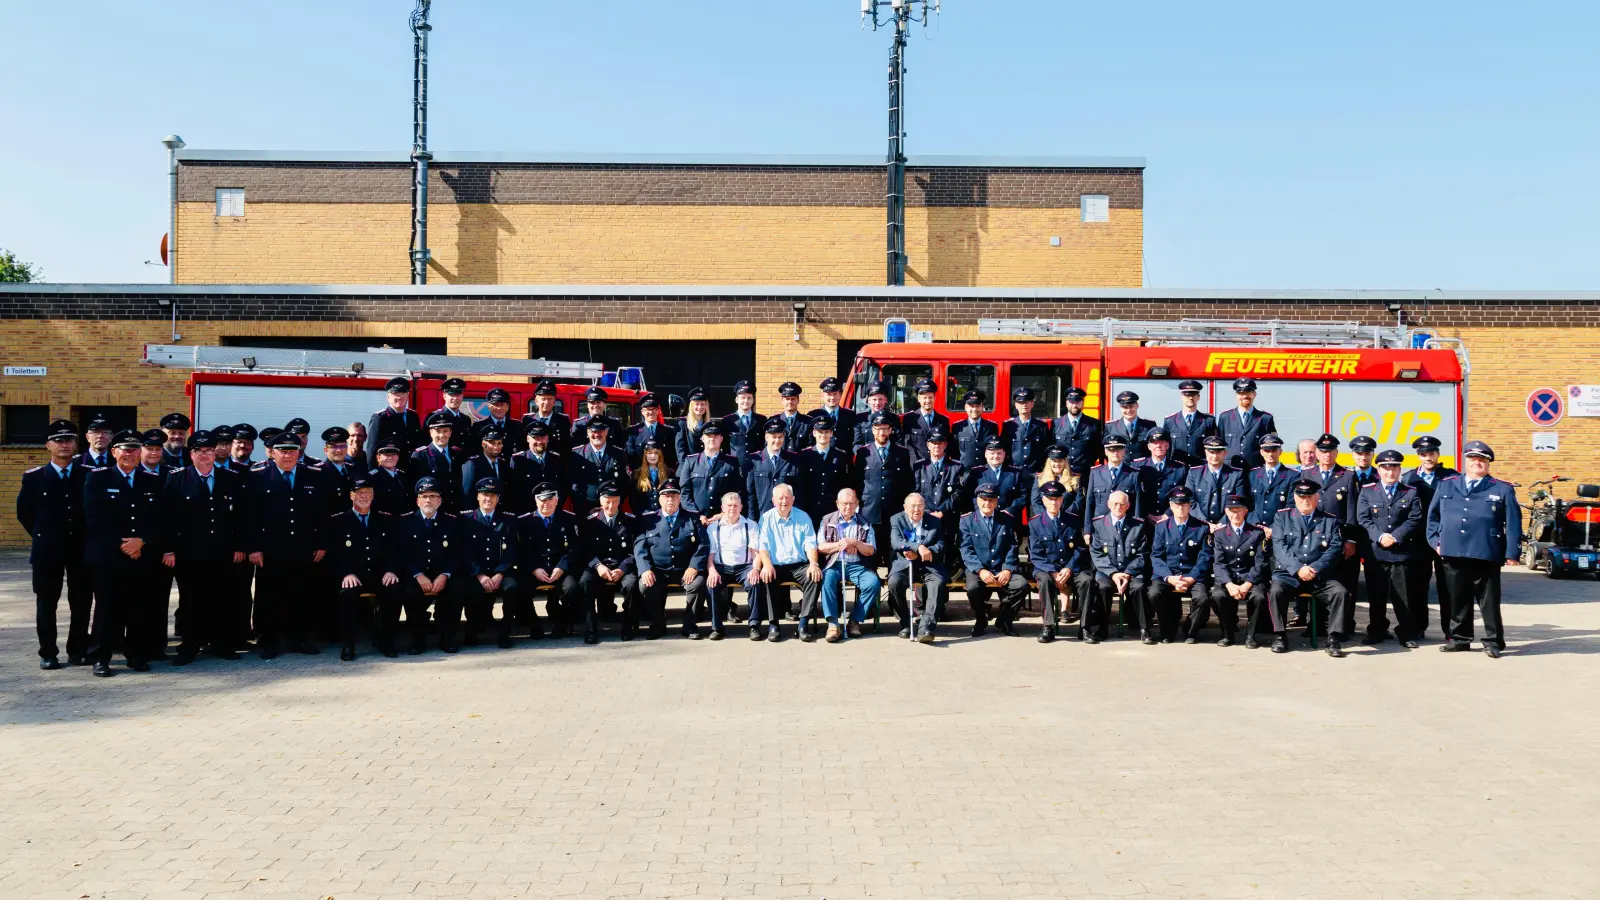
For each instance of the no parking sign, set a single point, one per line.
(1545, 407)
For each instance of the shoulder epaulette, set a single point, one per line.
(99, 468)
(1097, 466)
(33, 470)
(1450, 478)
(629, 515)
(596, 513)
(1097, 519)
(382, 513)
(1192, 468)
(966, 515)
(1161, 518)
(408, 513)
(448, 514)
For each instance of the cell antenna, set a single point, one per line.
(898, 14)
(419, 142)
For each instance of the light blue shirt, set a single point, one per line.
(787, 541)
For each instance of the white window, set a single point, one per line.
(230, 201)
(1095, 207)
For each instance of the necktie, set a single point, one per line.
(290, 477)
(1472, 485)
(64, 473)
(1389, 490)
(446, 455)
(1115, 471)
(130, 477)
(1188, 421)
(671, 522)
(1244, 418)
(744, 423)
(209, 479)
(363, 519)
(545, 520)
(883, 454)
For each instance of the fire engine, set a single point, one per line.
(1390, 383)
(269, 386)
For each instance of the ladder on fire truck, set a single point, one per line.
(371, 364)
(1207, 332)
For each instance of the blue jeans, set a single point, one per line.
(866, 581)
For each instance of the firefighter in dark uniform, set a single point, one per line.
(244, 445)
(1158, 474)
(796, 425)
(1014, 485)
(842, 417)
(391, 487)
(499, 419)
(287, 508)
(243, 574)
(1213, 480)
(158, 598)
(884, 468)
(1119, 548)
(1307, 551)
(335, 465)
(971, 435)
(97, 434)
(825, 469)
(428, 557)
(669, 547)
(742, 428)
(461, 422)
(595, 401)
(1243, 426)
(301, 429)
(915, 426)
(362, 564)
(1475, 524)
(1059, 556)
(1270, 483)
(651, 428)
(1391, 513)
(1117, 473)
(1180, 565)
(202, 517)
(489, 566)
(538, 465)
(491, 464)
(687, 437)
(989, 553)
(396, 422)
(50, 508)
(1079, 432)
(1131, 426)
(122, 524)
(594, 463)
(550, 561)
(175, 452)
(1026, 438)
(608, 535)
(1338, 499)
(1189, 427)
(877, 402)
(1241, 559)
(706, 476)
(440, 463)
(942, 482)
(557, 425)
(766, 469)
(1425, 478)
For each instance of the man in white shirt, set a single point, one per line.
(734, 544)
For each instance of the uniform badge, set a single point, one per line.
(1252, 553)
(348, 544)
(502, 545)
(1339, 495)
(446, 543)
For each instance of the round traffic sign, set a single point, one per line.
(1546, 406)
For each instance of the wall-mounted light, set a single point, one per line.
(799, 316)
(167, 301)
(358, 367)
(249, 362)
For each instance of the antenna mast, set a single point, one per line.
(419, 143)
(898, 14)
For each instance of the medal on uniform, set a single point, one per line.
(446, 543)
(348, 544)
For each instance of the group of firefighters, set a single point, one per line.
(454, 512)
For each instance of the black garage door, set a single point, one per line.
(670, 367)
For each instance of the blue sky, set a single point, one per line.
(1376, 145)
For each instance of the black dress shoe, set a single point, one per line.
(74, 659)
(905, 634)
(449, 645)
(1146, 639)
(347, 652)
(267, 651)
(1167, 640)
(138, 665)
(504, 643)
(388, 652)
(806, 637)
(1191, 640)
(979, 629)
(591, 639)
(1491, 650)
(717, 634)
(1047, 636)
(1008, 629)
(417, 646)
(102, 670)
(625, 636)
(1333, 649)
(49, 663)
(756, 635)
(471, 640)
(693, 635)
(1250, 644)
(1090, 639)
(1410, 644)
(1371, 639)
(774, 634)
(183, 658)
(1454, 647)
(1280, 644)
(308, 648)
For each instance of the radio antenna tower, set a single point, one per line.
(419, 142)
(898, 14)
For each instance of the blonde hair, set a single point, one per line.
(641, 478)
(1070, 482)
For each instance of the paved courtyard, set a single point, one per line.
(995, 767)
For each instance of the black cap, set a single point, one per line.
(453, 386)
(427, 485)
(268, 434)
(155, 437)
(440, 419)
(546, 388)
(994, 443)
(1478, 449)
(926, 386)
(335, 435)
(1244, 385)
(1114, 440)
(537, 429)
(1180, 494)
(544, 490)
(973, 397)
(608, 489)
(711, 428)
(1271, 439)
(1327, 442)
(1052, 489)
(498, 395)
(361, 482)
(283, 440)
(774, 425)
(821, 423)
(1214, 442)
(62, 430)
(1022, 394)
(492, 434)
(743, 387)
(987, 489)
(1362, 444)
(1236, 500)
(98, 423)
(1157, 434)
(1075, 394)
(697, 393)
(176, 421)
(789, 389)
(1390, 458)
(244, 431)
(1056, 451)
(202, 439)
(1189, 386)
(670, 486)
(1426, 442)
(648, 401)
(389, 446)
(398, 385)
(298, 426)
(1305, 487)
(938, 436)
(594, 395)
(1127, 398)
(882, 418)
(223, 433)
(598, 423)
(127, 438)
(829, 385)
(653, 444)
(878, 387)
(486, 486)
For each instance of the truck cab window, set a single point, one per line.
(901, 380)
(1047, 383)
(962, 378)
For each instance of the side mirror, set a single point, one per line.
(677, 407)
(1589, 491)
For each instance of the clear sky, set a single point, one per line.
(1413, 144)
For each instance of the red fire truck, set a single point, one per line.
(1392, 384)
(270, 386)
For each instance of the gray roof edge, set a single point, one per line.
(1310, 295)
(666, 159)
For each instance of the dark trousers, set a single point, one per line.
(1012, 595)
(47, 578)
(1097, 609)
(1474, 581)
(1051, 596)
(372, 601)
(1166, 606)
(283, 605)
(721, 596)
(479, 604)
(446, 607)
(1428, 566)
(773, 599)
(1329, 593)
(1201, 605)
(599, 593)
(563, 603)
(926, 585)
(1389, 584)
(203, 595)
(654, 603)
(244, 577)
(122, 602)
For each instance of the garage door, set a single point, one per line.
(670, 367)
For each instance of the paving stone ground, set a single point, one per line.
(995, 767)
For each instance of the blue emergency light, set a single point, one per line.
(895, 331)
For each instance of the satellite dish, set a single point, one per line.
(164, 250)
